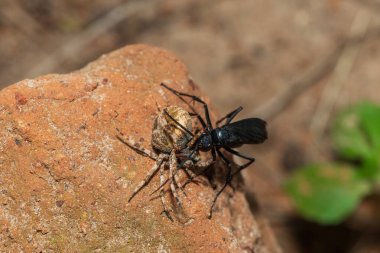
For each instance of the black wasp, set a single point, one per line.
(226, 136)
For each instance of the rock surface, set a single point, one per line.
(65, 177)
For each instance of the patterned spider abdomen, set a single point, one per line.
(167, 134)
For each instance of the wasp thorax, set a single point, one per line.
(167, 134)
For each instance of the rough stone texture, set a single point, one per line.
(65, 177)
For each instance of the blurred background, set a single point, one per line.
(295, 63)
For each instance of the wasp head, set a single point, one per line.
(204, 142)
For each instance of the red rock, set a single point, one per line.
(65, 177)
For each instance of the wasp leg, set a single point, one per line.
(227, 182)
(194, 98)
(150, 175)
(241, 167)
(229, 172)
(178, 124)
(229, 116)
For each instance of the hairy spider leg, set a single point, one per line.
(172, 170)
(150, 175)
(159, 160)
(230, 116)
(205, 165)
(188, 158)
(158, 166)
(145, 152)
(188, 172)
(162, 196)
(136, 146)
(191, 175)
(160, 187)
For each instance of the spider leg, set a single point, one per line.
(186, 168)
(188, 172)
(227, 182)
(230, 116)
(149, 176)
(178, 183)
(172, 171)
(162, 196)
(197, 99)
(191, 175)
(135, 146)
(205, 165)
(160, 187)
(175, 178)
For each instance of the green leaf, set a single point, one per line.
(326, 194)
(369, 168)
(356, 136)
(370, 116)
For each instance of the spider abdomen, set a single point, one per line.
(166, 134)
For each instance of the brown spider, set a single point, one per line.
(170, 143)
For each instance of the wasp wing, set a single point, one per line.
(246, 131)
